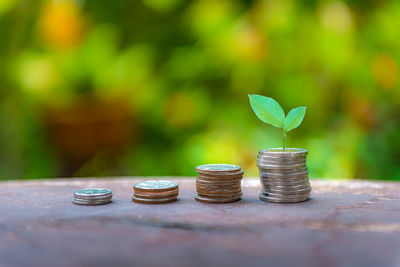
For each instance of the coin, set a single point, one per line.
(211, 187)
(289, 152)
(286, 186)
(89, 203)
(217, 168)
(220, 192)
(275, 159)
(159, 194)
(270, 173)
(287, 195)
(153, 201)
(214, 200)
(219, 180)
(155, 186)
(231, 175)
(270, 164)
(221, 196)
(155, 196)
(285, 179)
(92, 196)
(283, 175)
(286, 191)
(218, 183)
(279, 200)
(91, 192)
(284, 170)
(281, 158)
(155, 192)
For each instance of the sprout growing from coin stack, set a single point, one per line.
(283, 171)
(270, 112)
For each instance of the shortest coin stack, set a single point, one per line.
(155, 192)
(92, 196)
(218, 183)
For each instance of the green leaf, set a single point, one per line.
(267, 110)
(294, 118)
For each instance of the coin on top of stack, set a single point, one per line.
(218, 183)
(283, 175)
(92, 196)
(155, 192)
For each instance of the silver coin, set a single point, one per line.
(285, 179)
(269, 173)
(282, 159)
(280, 195)
(93, 192)
(274, 168)
(288, 176)
(280, 162)
(280, 167)
(286, 185)
(283, 173)
(155, 185)
(218, 168)
(288, 152)
(285, 196)
(284, 200)
(279, 200)
(86, 202)
(287, 191)
(92, 196)
(92, 202)
(290, 193)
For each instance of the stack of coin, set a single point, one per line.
(92, 196)
(283, 175)
(218, 183)
(155, 192)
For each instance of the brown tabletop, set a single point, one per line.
(353, 223)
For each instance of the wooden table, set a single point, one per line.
(353, 223)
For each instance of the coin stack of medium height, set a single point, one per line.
(284, 175)
(155, 192)
(218, 183)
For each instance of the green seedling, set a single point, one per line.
(270, 112)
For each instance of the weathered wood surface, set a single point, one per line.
(344, 224)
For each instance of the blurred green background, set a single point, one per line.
(156, 87)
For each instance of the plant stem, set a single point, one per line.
(284, 139)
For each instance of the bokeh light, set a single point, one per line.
(151, 87)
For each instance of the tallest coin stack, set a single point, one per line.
(283, 175)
